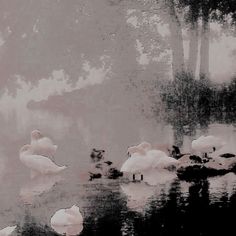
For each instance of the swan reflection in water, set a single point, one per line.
(155, 183)
(138, 195)
(38, 186)
(221, 186)
(69, 230)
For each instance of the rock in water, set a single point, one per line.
(95, 176)
(195, 158)
(97, 155)
(113, 173)
(198, 172)
(213, 167)
(227, 155)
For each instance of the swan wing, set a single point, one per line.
(40, 164)
(137, 163)
(65, 217)
(206, 143)
(60, 218)
(7, 231)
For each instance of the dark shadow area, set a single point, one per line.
(191, 104)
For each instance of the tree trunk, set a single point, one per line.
(204, 50)
(193, 42)
(193, 48)
(176, 40)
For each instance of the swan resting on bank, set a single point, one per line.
(38, 164)
(142, 148)
(154, 159)
(207, 144)
(42, 145)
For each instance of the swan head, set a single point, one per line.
(136, 149)
(73, 211)
(145, 145)
(25, 148)
(36, 134)
(75, 208)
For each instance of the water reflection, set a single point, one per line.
(139, 209)
(30, 226)
(222, 186)
(161, 205)
(138, 195)
(69, 230)
(159, 177)
(38, 186)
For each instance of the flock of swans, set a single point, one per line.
(38, 157)
(144, 157)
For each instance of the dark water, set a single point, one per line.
(108, 210)
(109, 207)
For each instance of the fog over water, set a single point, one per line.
(98, 74)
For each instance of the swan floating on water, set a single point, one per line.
(7, 231)
(38, 164)
(207, 144)
(68, 221)
(153, 159)
(42, 145)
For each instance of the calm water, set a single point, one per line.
(109, 207)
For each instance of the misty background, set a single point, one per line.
(116, 61)
(109, 74)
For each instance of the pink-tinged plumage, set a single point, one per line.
(141, 149)
(68, 221)
(151, 160)
(42, 145)
(206, 144)
(162, 147)
(38, 164)
(7, 231)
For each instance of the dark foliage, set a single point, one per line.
(198, 100)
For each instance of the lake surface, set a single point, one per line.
(109, 207)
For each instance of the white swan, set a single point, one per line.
(138, 164)
(142, 148)
(207, 144)
(68, 221)
(135, 149)
(162, 147)
(42, 145)
(145, 146)
(7, 231)
(38, 164)
(162, 160)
